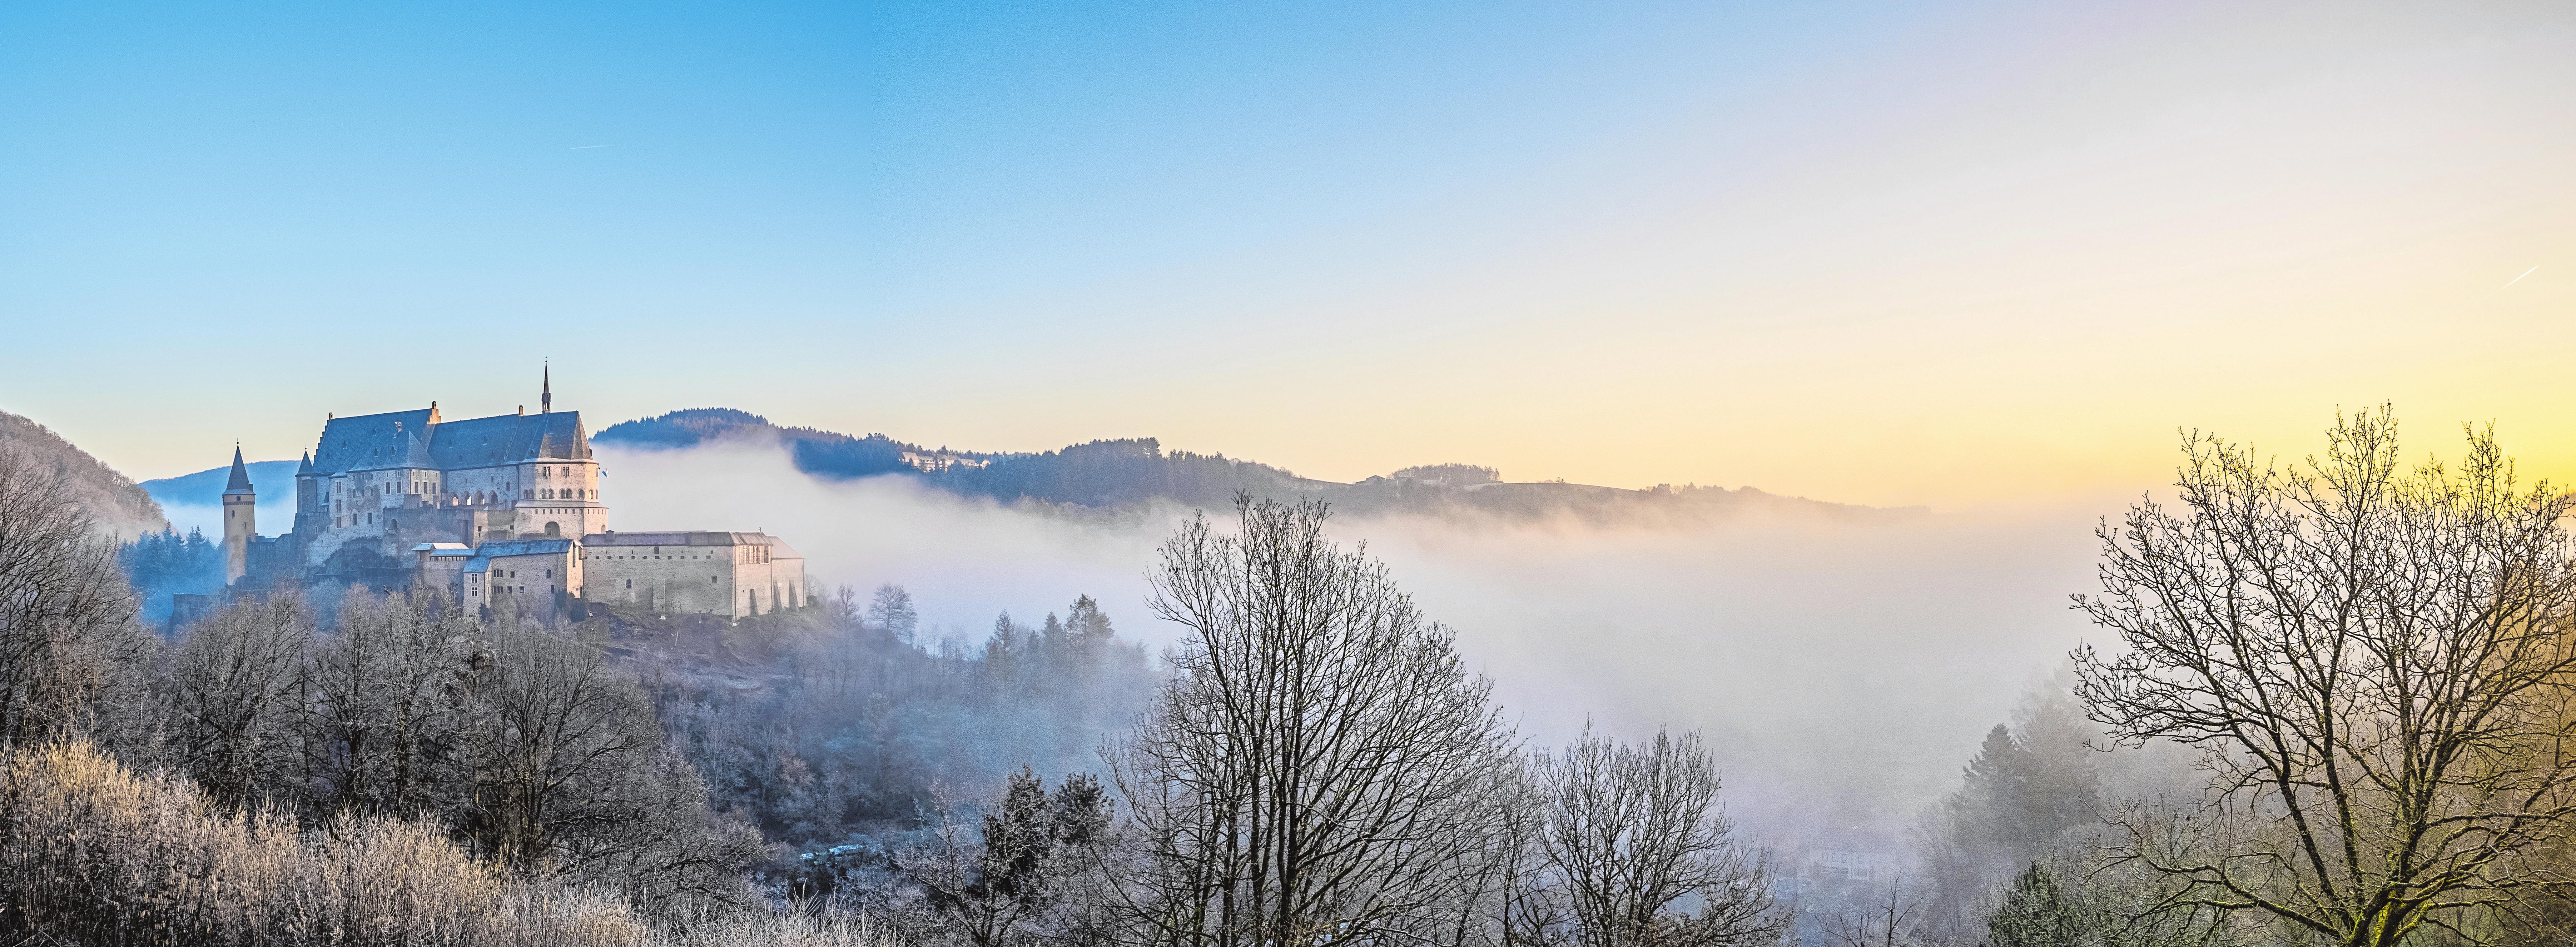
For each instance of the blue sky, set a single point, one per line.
(1583, 240)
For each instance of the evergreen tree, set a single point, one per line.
(1010, 886)
(1987, 811)
(1088, 624)
(2038, 912)
(2024, 792)
(2061, 788)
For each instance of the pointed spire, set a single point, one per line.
(240, 482)
(305, 466)
(546, 396)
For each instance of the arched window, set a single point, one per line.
(553, 528)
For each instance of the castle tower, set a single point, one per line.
(241, 520)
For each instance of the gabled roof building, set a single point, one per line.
(493, 509)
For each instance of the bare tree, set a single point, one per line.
(236, 699)
(567, 774)
(68, 639)
(1631, 831)
(1896, 921)
(2376, 662)
(388, 701)
(1529, 906)
(1314, 766)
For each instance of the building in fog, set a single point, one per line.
(495, 509)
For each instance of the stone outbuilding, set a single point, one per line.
(705, 572)
(539, 576)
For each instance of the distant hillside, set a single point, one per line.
(1112, 473)
(1117, 472)
(116, 503)
(271, 479)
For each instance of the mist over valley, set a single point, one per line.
(1843, 660)
(790, 474)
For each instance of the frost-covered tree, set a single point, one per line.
(1637, 844)
(1020, 879)
(2377, 660)
(566, 773)
(236, 699)
(72, 659)
(388, 706)
(2038, 912)
(891, 610)
(1316, 765)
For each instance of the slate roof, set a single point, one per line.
(420, 439)
(240, 482)
(778, 549)
(484, 554)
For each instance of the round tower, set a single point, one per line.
(241, 520)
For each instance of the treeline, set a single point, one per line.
(165, 563)
(1113, 473)
(1117, 472)
(1318, 766)
(412, 775)
(1314, 763)
(1096, 474)
(114, 502)
(2373, 663)
(862, 726)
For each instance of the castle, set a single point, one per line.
(503, 510)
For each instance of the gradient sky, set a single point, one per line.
(1953, 254)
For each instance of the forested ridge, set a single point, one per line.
(114, 502)
(1121, 472)
(1104, 473)
(2327, 709)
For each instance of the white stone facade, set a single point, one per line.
(714, 573)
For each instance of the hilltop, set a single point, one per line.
(1106, 473)
(116, 503)
(271, 479)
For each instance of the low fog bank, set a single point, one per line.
(963, 559)
(1843, 669)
